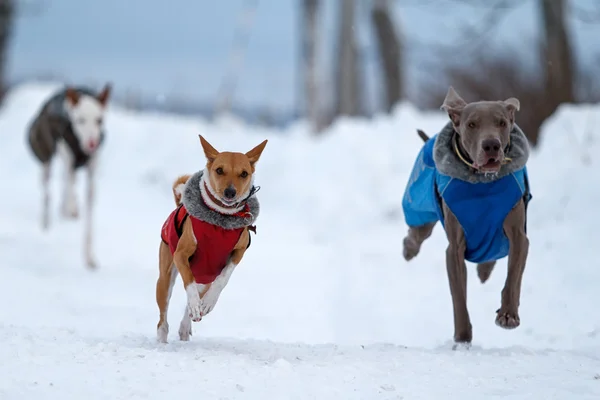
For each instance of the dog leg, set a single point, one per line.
(457, 278)
(415, 238)
(46, 196)
(69, 205)
(209, 299)
(484, 270)
(185, 326)
(185, 248)
(164, 289)
(507, 316)
(91, 188)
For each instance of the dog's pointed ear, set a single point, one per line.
(210, 152)
(512, 106)
(254, 154)
(453, 104)
(104, 94)
(72, 96)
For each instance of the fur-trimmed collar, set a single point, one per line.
(193, 202)
(448, 163)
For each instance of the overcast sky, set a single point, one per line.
(183, 46)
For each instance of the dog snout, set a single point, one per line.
(92, 144)
(491, 147)
(229, 193)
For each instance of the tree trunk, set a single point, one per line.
(348, 96)
(7, 13)
(310, 36)
(559, 58)
(390, 54)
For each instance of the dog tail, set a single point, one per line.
(178, 187)
(422, 135)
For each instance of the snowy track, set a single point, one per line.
(323, 306)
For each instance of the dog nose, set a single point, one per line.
(491, 147)
(92, 144)
(229, 193)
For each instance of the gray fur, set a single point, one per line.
(192, 201)
(448, 163)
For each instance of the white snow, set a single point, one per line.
(323, 305)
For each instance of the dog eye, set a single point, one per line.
(244, 174)
(502, 123)
(219, 171)
(471, 125)
(99, 121)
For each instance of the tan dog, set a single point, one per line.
(206, 236)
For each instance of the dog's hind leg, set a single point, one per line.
(164, 289)
(484, 270)
(46, 196)
(91, 188)
(415, 238)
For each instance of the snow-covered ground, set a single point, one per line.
(323, 305)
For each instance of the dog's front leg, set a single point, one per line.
(46, 196)
(457, 277)
(91, 189)
(209, 300)
(69, 201)
(185, 249)
(507, 316)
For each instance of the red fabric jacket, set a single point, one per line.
(215, 244)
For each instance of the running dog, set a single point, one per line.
(206, 236)
(472, 177)
(70, 125)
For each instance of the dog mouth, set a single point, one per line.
(492, 165)
(228, 202)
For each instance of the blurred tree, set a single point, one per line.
(559, 71)
(7, 14)
(310, 43)
(347, 69)
(390, 52)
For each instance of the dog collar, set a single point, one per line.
(244, 202)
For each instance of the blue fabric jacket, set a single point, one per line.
(479, 207)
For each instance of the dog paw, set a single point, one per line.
(185, 331)
(209, 301)
(162, 332)
(410, 248)
(194, 304)
(507, 319)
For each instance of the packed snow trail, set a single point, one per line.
(323, 304)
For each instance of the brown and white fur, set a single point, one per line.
(229, 177)
(70, 125)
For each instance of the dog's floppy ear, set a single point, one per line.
(512, 105)
(104, 94)
(453, 105)
(254, 154)
(72, 96)
(210, 152)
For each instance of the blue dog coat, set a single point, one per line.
(479, 207)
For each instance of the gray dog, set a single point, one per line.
(472, 177)
(70, 124)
